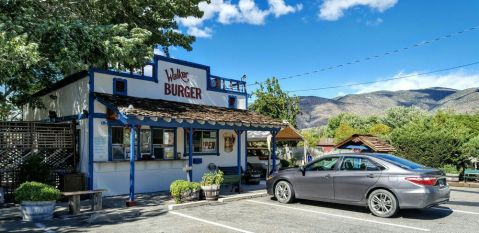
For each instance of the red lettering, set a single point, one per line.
(181, 90)
(198, 93)
(167, 89)
(187, 92)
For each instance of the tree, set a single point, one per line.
(274, 102)
(380, 130)
(42, 41)
(470, 149)
(344, 131)
(397, 117)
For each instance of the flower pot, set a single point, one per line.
(452, 177)
(37, 210)
(190, 195)
(212, 192)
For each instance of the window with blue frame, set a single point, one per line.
(232, 101)
(154, 143)
(204, 142)
(120, 86)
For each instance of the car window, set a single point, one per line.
(358, 164)
(404, 163)
(325, 164)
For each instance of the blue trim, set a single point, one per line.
(197, 161)
(190, 154)
(110, 155)
(99, 115)
(217, 153)
(125, 84)
(132, 163)
(245, 150)
(155, 70)
(162, 123)
(79, 116)
(124, 74)
(238, 133)
(273, 153)
(91, 111)
(123, 118)
(235, 105)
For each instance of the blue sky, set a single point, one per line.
(286, 37)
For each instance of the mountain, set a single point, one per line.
(315, 111)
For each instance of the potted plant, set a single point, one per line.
(37, 200)
(452, 174)
(182, 190)
(210, 184)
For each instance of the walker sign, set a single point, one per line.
(180, 89)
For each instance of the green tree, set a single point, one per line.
(397, 117)
(274, 102)
(470, 149)
(344, 131)
(42, 41)
(380, 129)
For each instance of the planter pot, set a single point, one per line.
(452, 177)
(37, 210)
(212, 192)
(190, 195)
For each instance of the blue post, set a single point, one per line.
(132, 165)
(273, 153)
(190, 154)
(238, 132)
(246, 150)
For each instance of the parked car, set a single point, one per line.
(258, 157)
(252, 175)
(382, 182)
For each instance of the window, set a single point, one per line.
(204, 142)
(358, 164)
(119, 86)
(120, 143)
(404, 163)
(231, 101)
(155, 143)
(163, 141)
(325, 164)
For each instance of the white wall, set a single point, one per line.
(148, 89)
(70, 100)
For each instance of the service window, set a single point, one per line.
(204, 142)
(120, 143)
(163, 141)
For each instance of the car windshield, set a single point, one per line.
(404, 163)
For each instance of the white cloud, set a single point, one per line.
(456, 80)
(334, 9)
(225, 12)
(375, 22)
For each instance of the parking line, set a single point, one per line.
(210, 222)
(454, 210)
(341, 216)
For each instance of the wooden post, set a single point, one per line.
(96, 201)
(74, 204)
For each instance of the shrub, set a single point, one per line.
(284, 163)
(450, 169)
(178, 187)
(210, 178)
(34, 169)
(35, 191)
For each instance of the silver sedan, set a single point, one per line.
(382, 182)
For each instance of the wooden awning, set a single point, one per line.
(370, 141)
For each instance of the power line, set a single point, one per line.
(419, 44)
(385, 80)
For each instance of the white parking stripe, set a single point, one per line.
(210, 222)
(454, 210)
(341, 216)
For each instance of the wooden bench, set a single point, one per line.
(470, 172)
(74, 200)
(230, 176)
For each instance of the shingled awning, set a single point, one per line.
(374, 143)
(157, 109)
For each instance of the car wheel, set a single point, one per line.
(283, 191)
(383, 203)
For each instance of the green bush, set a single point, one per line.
(284, 163)
(34, 169)
(450, 169)
(179, 187)
(210, 178)
(35, 191)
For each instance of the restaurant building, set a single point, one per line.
(138, 132)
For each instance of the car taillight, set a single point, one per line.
(422, 180)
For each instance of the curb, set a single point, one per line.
(462, 184)
(219, 202)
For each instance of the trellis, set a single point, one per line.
(53, 142)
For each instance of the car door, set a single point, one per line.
(354, 177)
(316, 181)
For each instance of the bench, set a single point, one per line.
(74, 200)
(230, 176)
(470, 172)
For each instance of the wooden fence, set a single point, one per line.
(53, 142)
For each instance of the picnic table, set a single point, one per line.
(74, 200)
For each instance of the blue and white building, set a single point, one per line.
(138, 132)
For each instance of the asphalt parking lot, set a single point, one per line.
(266, 215)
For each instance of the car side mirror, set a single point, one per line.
(303, 170)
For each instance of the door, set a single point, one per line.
(353, 179)
(317, 181)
